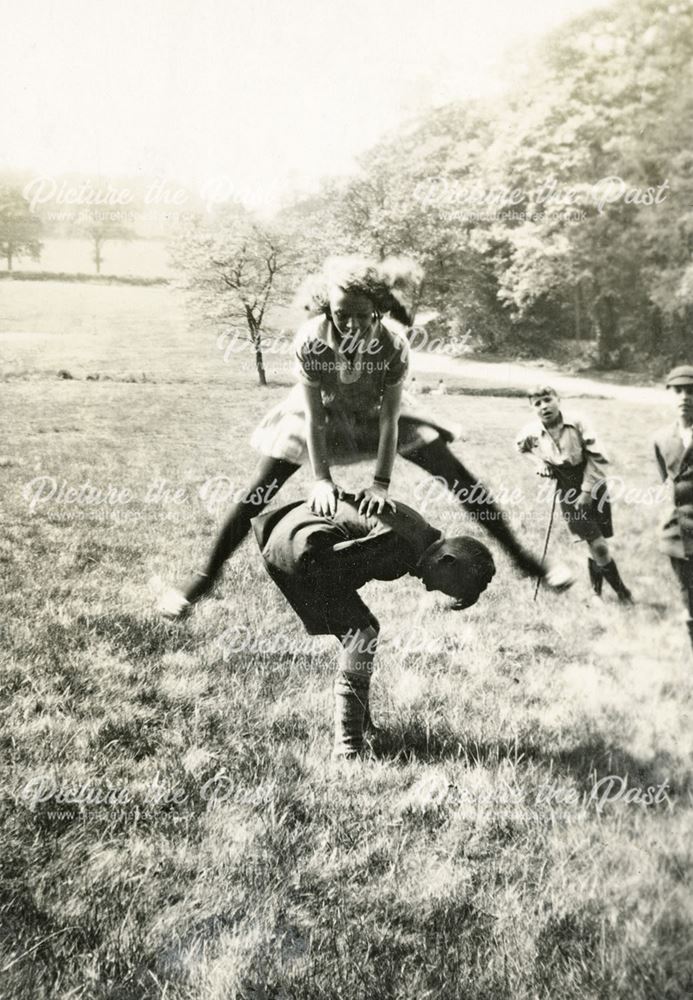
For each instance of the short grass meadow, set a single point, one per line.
(173, 825)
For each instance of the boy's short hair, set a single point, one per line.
(474, 565)
(541, 390)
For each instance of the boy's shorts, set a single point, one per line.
(592, 522)
(324, 611)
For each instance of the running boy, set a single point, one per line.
(320, 561)
(566, 450)
(674, 454)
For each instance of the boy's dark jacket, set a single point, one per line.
(348, 549)
(676, 467)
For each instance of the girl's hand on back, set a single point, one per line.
(374, 500)
(323, 498)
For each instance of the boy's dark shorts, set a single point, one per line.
(323, 610)
(594, 521)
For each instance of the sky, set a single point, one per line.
(254, 96)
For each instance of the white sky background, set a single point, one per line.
(265, 93)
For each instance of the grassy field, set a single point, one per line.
(141, 258)
(474, 857)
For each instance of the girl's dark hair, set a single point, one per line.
(391, 285)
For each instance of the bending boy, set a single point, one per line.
(566, 450)
(319, 562)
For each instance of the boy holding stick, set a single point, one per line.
(565, 449)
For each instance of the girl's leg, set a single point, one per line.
(268, 478)
(437, 459)
(351, 689)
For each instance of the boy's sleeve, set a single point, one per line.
(596, 462)
(398, 365)
(661, 464)
(526, 441)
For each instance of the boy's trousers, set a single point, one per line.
(684, 574)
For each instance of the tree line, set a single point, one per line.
(556, 219)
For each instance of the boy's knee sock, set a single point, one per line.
(351, 690)
(613, 578)
(596, 576)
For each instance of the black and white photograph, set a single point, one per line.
(346, 500)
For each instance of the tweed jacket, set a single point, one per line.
(676, 469)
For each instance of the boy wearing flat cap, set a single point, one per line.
(674, 454)
(320, 562)
(566, 449)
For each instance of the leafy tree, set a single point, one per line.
(568, 253)
(392, 207)
(562, 210)
(19, 228)
(608, 97)
(99, 228)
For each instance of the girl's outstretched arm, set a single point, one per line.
(374, 498)
(323, 497)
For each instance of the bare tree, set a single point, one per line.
(235, 271)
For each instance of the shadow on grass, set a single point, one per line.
(139, 637)
(586, 763)
(592, 760)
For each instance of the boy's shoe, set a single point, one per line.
(558, 578)
(173, 605)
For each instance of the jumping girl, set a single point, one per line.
(351, 363)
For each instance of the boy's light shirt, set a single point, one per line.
(576, 444)
(686, 435)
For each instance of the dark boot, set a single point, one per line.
(613, 578)
(596, 576)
